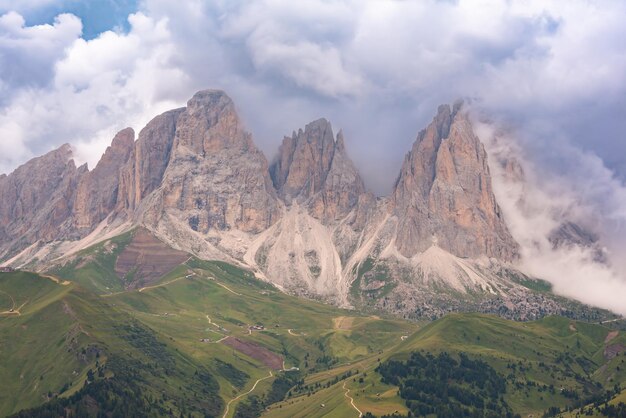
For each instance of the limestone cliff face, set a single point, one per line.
(195, 179)
(216, 178)
(444, 194)
(304, 161)
(36, 200)
(314, 169)
(144, 171)
(97, 191)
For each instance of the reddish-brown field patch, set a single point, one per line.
(614, 350)
(146, 259)
(265, 356)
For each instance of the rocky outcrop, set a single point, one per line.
(144, 172)
(97, 191)
(36, 200)
(216, 178)
(326, 206)
(569, 234)
(444, 194)
(314, 169)
(304, 160)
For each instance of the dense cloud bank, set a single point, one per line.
(537, 200)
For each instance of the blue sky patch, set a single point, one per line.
(97, 15)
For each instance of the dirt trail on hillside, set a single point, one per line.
(10, 297)
(56, 279)
(244, 394)
(161, 284)
(14, 311)
(351, 399)
(213, 279)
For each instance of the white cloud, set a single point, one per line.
(529, 60)
(97, 87)
(537, 203)
(28, 53)
(301, 42)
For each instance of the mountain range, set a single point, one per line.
(193, 183)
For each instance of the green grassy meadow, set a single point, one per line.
(171, 346)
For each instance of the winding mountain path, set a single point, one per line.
(217, 332)
(162, 284)
(351, 399)
(245, 394)
(56, 279)
(224, 286)
(612, 320)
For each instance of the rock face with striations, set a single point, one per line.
(314, 169)
(216, 178)
(97, 191)
(144, 171)
(444, 193)
(36, 200)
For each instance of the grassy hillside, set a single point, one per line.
(554, 362)
(72, 342)
(40, 342)
(565, 356)
(94, 268)
(208, 339)
(167, 333)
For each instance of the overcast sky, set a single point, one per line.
(555, 72)
(76, 71)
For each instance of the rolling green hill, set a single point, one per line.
(209, 339)
(166, 334)
(554, 362)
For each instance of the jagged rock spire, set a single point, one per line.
(444, 190)
(314, 169)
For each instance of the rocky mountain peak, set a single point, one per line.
(210, 123)
(340, 145)
(303, 161)
(59, 157)
(313, 168)
(123, 141)
(35, 199)
(444, 191)
(216, 178)
(97, 191)
(214, 100)
(63, 150)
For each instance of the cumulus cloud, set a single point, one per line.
(96, 87)
(379, 69)
(28, 54)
